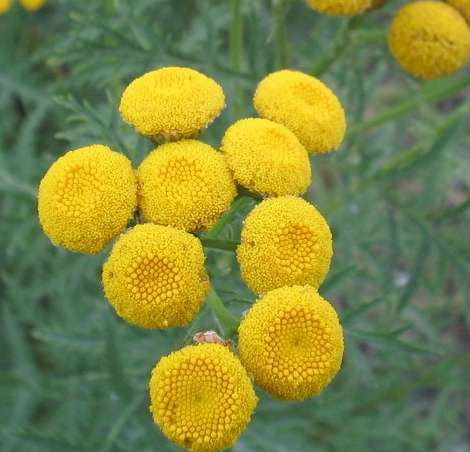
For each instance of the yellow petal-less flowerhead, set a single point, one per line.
(462, 6)
(86, 198)
(185, 184)
(284, 241)
(201, 397)
(304, 105)
(171, 103)
(429, 39)
(5, 6)
(266, 157)
(32, 5)
(291, 341)
(343, 7)
(155, 276)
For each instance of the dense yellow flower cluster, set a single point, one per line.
(291, 342)
(344, 7)
(29, 5)
(463, 6)
(202, 397)
(5, 6)
(430, 39)
(185, 184)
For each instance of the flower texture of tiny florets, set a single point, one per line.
(429, 39)
(5, 6)
(172, 103)
(462, 6)
(87, 198)
(185, 184)
(201, 397)
(291, 341)
(284, 241)
(266, 157)
(32, 5)
(343, 8)
(306, 106)
(155, 276)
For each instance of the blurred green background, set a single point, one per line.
(74, 376)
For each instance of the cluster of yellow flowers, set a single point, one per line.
(428, 38)
(29, 5)
(290, 341)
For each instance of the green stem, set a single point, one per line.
(228, 321)
(235, 48)
(280, 8)
(413, 102)
(226, 245)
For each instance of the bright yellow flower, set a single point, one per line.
(32, 5)
(291, 341)
(266, 157)
(86, 198)
(284, 241)
(155, 276)
(462, 6)
(429, 39)
(201, 397)
(172, 103)
(343, 7)
(185, 184)
(304, 105)
(5, 6)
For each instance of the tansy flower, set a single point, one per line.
(266, 157)
(185, 184)
(155, 276)
(462, 6)
(5, 6)
(304, 105)
(429, 39)
(291, 341)
(171, 103)
(86, 198)
(343, 7)
(32, 5)
(284, 241)
(201, 397)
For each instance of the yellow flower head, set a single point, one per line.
(462, 6)
(86, 198)
(5, 6)
(266, 157)
(304, 105)
(171, 103)
(201, 397)
(429, 39)
(284, 241)
(32, 5)
(155, 276)
(291, 341)
(185, 184)
(343, 7)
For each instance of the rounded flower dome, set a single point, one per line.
(32, 5)
(284, 241)
(201, 397)
(343, 8)
(185, 184)
(306, 106)
(171, 103)
(429, 39)
(266, 158)
(291, 341)
(86, 198)
(155, 276)
(5, 6)
(462, 6)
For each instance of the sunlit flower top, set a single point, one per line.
(291, 341)
(201, 397)
(86, 198)
(266, 157)
(462, 6)
(430, 39)
(284, 241)
(343, 7)
(155, 276)
(172, 103)
(5, 6)
(32, 5)
(304, 105)
(186, 184)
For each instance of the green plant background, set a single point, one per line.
(74, 376)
